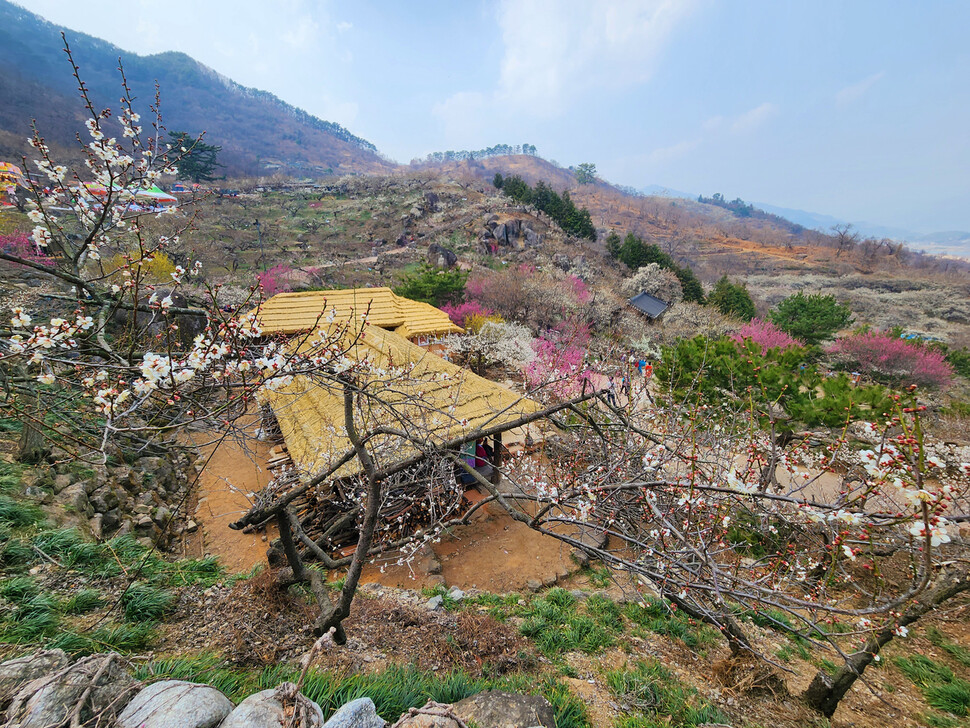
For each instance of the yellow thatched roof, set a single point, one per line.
(290, 313)
(410, 390)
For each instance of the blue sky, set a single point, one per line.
(859, 110)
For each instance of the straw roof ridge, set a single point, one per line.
(290, 313)
(405, 388)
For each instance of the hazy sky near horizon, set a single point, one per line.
(857, 109)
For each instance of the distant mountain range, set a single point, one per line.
(953, 242)
(258, 132)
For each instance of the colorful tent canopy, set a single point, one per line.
(157, 195)
(10, 177)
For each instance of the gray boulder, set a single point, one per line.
(49, 701)
(441, 256)
(264, 710)
(176, 704)
(498, 709)
(75, 497)
(16, 673)
(424, 720)
(359, 713)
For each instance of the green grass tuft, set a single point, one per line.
(656, 697)
(14, 553)
(17, 514)
(958, 652)
(952, 697)
(9, 474)
(935, 720)
(31, 621)
(19, 589)
(556, 623)
(145, 603)
(941, 688)
(656, 616)
(83, 601)
(923, 671)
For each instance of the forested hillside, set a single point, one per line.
(258, 132)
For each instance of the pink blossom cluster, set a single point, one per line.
(20, 245)
(874, 352)
(459, 313)
(579, 289)
(560, 360)
(767, 335)
(275, 280)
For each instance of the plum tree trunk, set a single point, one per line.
(826, 691)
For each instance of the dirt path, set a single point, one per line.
(492, 553)
(224, 495)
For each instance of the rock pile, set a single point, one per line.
(136, 499)
(511, 233)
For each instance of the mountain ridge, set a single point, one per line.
(259, 132)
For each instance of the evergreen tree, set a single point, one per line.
(732, 299)
(498, 180)
(613, 244)
(813, 319)
(586, 173)
(198, 163)
(636, 254)
(433, 285)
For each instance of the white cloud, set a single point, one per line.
(711, 130)
(343, 26)
(302, 34)
(754, 118)
(663, 155)
(557, 51)
(464, 115)
(857, 90)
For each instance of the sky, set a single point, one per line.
(855, 109)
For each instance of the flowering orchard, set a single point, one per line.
(126, 361)
(844, 549)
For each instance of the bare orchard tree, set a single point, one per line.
(845, 237)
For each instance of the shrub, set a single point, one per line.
(959, 359)
(560, 361)
(715, 371)
(766, 335)
(813, 318)
(459, 313)
(892, 359)
(433, 285)
(732, 299)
